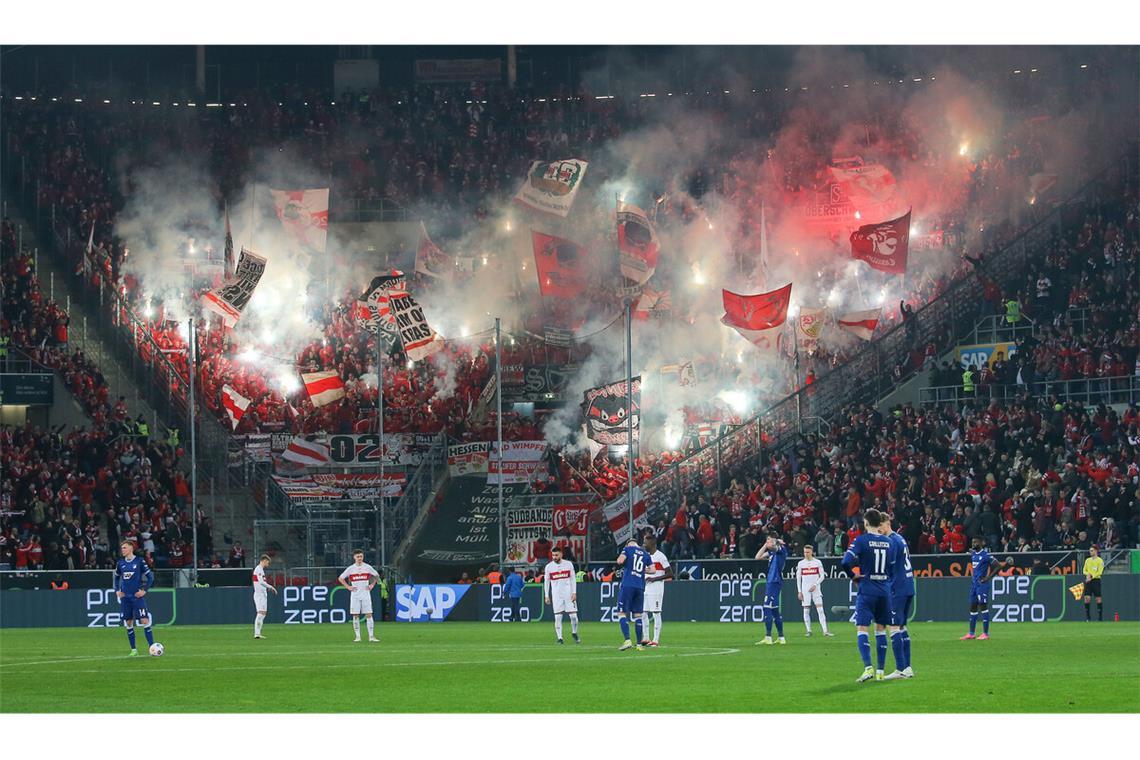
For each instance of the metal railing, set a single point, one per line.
(1124, 389)
(993, 328)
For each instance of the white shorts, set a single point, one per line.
(654, 596)
(562, 603)
(813, 597)
(360, 604)
(260, 601)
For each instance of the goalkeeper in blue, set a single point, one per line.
(133, 578)
(875, 556)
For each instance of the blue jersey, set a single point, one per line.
(776, 559)
(637, 562)
(133, 575)
(902, 581)
(876, 556)
(982, 561)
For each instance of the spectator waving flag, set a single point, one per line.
(305, 452)
(323, 387)
(638, 248)
(860, 323)
(231, 298)
(235, 405)
(884, 245)
(552, 186)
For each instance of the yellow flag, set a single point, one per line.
(1077, 591)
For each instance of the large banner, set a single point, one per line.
(333, 486)
(533, 383)
(560, 265)
(231, 298)
(865, 185)
(305, 216)
(527, 526)
(638, 248)
(521, 461)
(618, 517)
(883, 246)
(984, 353)
(420, 340)
(552, 186)
(464, 529)
(364, 450)
(607, 412)
(468, 458)
(373, 311)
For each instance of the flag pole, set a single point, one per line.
(380, 437)
(193, 356)
(499, 423)
(629, 405)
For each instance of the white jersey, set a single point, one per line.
(259, 584)
(809, 572)
(359, 576)
(559, 579)
(656, 570)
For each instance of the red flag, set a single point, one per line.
(758, 312)
(883, 246)
(560, 264)
(861, 323)
(637, 243)
(323, 387)
(430, 259)
(235, 405)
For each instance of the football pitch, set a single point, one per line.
(488, 667)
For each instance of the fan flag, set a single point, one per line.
(372, 311)
(607, 413)
(89, 254)
(883, 246)
(860, 323)
(758, 312)
(637, 244)
(552, 186)
(235, 405)
(770, 341)
(652, 303)
(430, 258)
(323, 387)
(307, 453)
(228, 264)
(863, 184)
(809, 326)
(234, 294)
(560, 264)
(305, 216)
(617, 515)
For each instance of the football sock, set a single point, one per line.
(768, 623)
(257, 621)
(807, 618)
(973, 622)
(986, 622)
(898, 646)
(131, 637)
(881, 649)
(657, 627)
(573, 622)
(1100, 610)
(149, 635)
(780, 624)
(864, 641)
(371, 627)
(640, 630)
(822, 618)
(624, 622)
(906, 646)
(1088, 611)
(558, 625)
(356, 626)
(644, 620)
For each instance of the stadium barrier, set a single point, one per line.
(1014, 599)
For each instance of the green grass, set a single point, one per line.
(485, 667)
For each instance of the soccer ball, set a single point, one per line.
(157, 649)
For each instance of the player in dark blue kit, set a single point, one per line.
(902, 599)
(133, 579)
(631, 593)
(985, 566)
(776, 552)
(876, 556)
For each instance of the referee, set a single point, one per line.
(1094, 568)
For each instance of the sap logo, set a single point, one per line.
(976, 358)
(423, 603)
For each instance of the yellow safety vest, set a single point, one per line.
(1012, 311)
(968, 381)
(144, 430)
(3, 347)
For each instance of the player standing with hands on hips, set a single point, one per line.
(133, 578)
(260, 598)
(776, 552)
(631, 594)
(361, 578)
(561, 587)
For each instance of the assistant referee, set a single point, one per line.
(1094, 568)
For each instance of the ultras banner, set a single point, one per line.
(607, 410)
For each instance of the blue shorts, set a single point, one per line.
(133, 608)
(900, 609)
(876, 608)
(979, 594)
(772, 598)
(631, 600)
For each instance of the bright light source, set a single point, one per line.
(672, 438)
(484, 261)
(1084, 65)
(913, 230)
(410, 363)
(1033, 201)
(267, 336)
(738, 400)
(833, 297)
(963, 149)
(508, 226)
(148, 312)
(463, 331)
(288, 381)
(857, 216)
(249, 355)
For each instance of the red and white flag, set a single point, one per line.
(884, 245)
(323, 387)
(617, 516)
(638, 248)
(235, 405)
(860, 323)
(231, 298)
(762, 311)
(430, 258)
(308, 453)
(305, 215)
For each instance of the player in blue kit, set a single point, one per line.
(776, 552)
(985, 566)
(902, 599)
(133, 579)
(631, 593)
(876, 556)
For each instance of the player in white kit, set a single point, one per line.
(655, 576)
(561, 591)
(260, 597)
(361, 577)
(809, 588)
